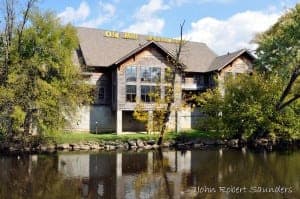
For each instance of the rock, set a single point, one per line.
(94, 146)
(84, 147)
(208, 141)
(51, 147)
(261, 142)
(28, 149)
(151, 142)
(181, 146)
(126, 146)
(148, 146)
(140, 143)
(133, 147)
(233, 143)
(120, 146)
(110, 147)
(198, 145)
(131, 143)
(220, 142)
(155, 146)
(43, 148)
(63, 146)
(166, 144)
(75, 147)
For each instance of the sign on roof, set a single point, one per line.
(133, 36)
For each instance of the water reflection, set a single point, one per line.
(169, 174)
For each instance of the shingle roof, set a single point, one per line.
(222, 61)
(99, 50)
(141, 47)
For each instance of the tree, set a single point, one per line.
(279, 54)
(164, 107)
(247, 109)
(40, 85)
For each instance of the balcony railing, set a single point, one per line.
(194, 86)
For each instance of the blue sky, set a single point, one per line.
(224, 25)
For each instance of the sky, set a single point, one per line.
(224, 25)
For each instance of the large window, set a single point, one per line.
(130, 74)
(150, 93)
(150, 74)
(130, 93)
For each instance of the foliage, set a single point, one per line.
(279, 53)
(248, 108)
(42, 87)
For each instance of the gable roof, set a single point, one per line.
(222, 61)
(140, 48)
(101, 51)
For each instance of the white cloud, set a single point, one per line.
(233, 33)
(147, 20)
(181, 2)
(106, 12)
(73, 15)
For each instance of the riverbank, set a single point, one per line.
(182, 141)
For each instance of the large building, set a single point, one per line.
(125, 67)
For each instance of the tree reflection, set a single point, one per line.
(25, 178)
(150, 174)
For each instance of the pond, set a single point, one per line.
(214, 173)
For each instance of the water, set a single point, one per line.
(171, 174)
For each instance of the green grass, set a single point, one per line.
(77, 137)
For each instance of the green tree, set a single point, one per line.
(40, 85)
(279, 54)
(247, 109)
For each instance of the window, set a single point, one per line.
(149, 93)
(101, 93)
(150, 74)
(155, 74)
(145, 74)
(130, 93)
(206, 80)
(130, 74)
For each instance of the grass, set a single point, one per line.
(77, 137)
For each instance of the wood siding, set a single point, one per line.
(148, 57)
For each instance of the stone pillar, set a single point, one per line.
(119, 122)
(177, 121)
(150, 122)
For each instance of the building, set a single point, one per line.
(125, 68)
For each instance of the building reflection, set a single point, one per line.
(170, 174)
(128, 175)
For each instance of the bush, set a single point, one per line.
(247, 108)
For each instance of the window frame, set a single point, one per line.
(131, 96)
(153, 77)
(131, 70)
(146, 96)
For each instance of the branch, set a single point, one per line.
(289, 101)
(30, 4)
(287, 90)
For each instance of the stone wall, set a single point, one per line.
(93, 118)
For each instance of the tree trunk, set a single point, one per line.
(28, 122)
(281, 104)
(176, 69)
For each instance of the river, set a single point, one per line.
(215, 173)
